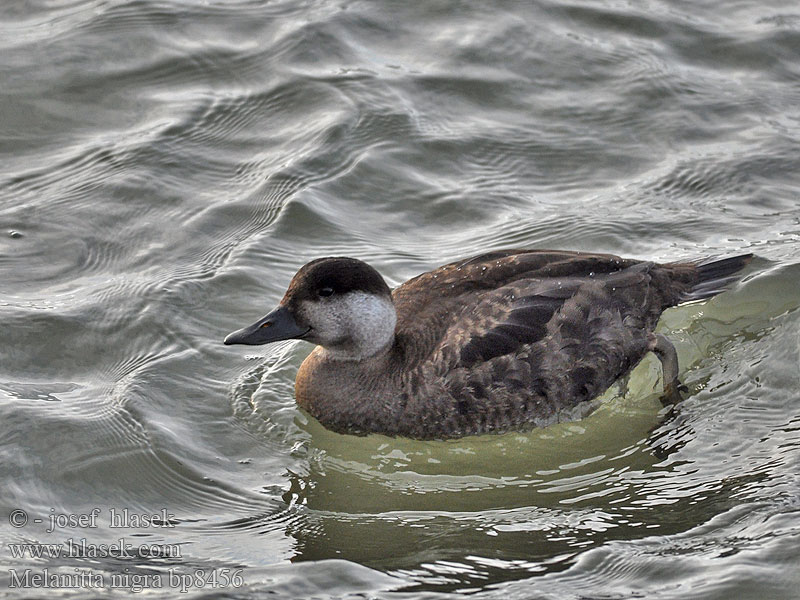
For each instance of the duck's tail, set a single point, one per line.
(714, 275)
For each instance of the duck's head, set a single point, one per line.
(342, 304)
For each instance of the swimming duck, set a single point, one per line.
(506, 340)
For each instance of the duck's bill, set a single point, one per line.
(276, 326)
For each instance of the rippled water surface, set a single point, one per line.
(166, 166)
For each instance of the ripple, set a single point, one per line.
(31, 26)
(49, 391)
(624, 567)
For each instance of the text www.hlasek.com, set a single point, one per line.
(82, 549)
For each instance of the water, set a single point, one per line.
(166, 166)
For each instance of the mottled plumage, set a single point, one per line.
(504, 340)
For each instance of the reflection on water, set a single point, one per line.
(165, 167)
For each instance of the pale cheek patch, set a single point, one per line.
(353, 326)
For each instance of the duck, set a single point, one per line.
(506, 340)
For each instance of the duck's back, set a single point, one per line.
(521, 337)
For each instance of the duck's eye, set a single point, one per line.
(325, 292)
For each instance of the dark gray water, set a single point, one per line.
(166, 166)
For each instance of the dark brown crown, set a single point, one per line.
(333, 276)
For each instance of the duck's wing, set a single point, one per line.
(565, 316)
(491, 300)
